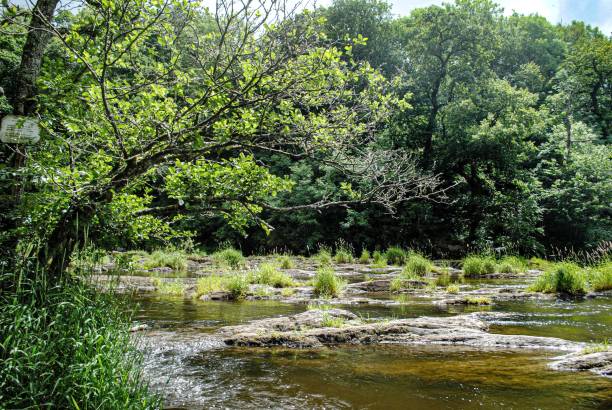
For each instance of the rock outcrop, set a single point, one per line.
(312, 329)
(596, 362)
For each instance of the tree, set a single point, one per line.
(153, 116)
(447, 47)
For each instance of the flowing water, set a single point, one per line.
(194, 370)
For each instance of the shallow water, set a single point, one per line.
(194, 370)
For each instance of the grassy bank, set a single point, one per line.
(67, 347)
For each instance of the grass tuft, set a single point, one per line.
(396, 256)
(229, 257)
(324, 257)
(365, 257)
(478, 300)
(476, 265)
(600, 277)
(327, 284)
(418, 265)
(343, 255)
(268, 274)
(174, 288)
(175, 260)
(453, 289)
(563, 277)
(285, 262)
(330, 321)
(512, 264)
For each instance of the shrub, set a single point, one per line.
(475, 265)
(365, 257)
(268, 274)
(68, 347)
(173, 259)
(418, 265)
(395, 256)
(564, 277)
(454, 288)
(229, 257)
(343, 255)
(285, 262)
(512, 264)
(174, 288)
(327, 283)
(600, 277)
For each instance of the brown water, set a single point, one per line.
(195, 371)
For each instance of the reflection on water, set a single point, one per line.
(195, 370)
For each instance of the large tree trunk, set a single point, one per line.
(24, 93)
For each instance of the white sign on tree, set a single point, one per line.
(19, 130)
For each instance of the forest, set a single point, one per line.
(181, 141)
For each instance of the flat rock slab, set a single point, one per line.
(596, 362)
(307, 330)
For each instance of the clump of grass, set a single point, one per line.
(443, 280)
(324, 257)
(378, 259)
(418, 264)
(175, 260)
(563, 277)
(326, 283)
(319, 306)
(476, 265)
(209, 284)
(395, 256)
(452, 288)
(539, 263)
(600, 277)
(285, 262)
(229, 257)
(68, 347)
(478, 300)
(237, 286)
(598, 347)
(263, 291)
(343, 255)
(268, 274)
(330, 321)
(512, 264)
(286, 292)
(365, 257)
(174, 288)
(396, 284)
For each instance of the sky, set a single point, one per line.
(593, 12)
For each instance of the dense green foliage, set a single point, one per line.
(512, 113)
(68, 347)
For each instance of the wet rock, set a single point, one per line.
(139, 328)
(597, 362)
(307, 330)
(217, 295)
